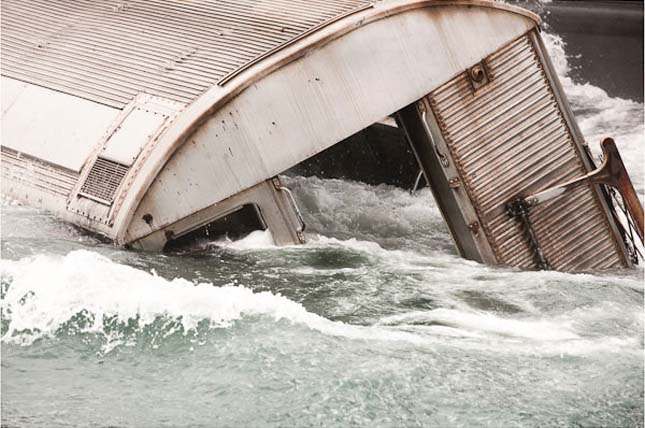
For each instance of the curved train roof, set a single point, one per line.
(108, 51)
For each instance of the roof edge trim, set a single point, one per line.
(405, 5)
(260, 58)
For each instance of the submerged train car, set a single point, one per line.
(146, 121)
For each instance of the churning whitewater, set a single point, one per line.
(375, 322)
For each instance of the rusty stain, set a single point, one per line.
(474, 228)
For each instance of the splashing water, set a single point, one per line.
(599, 115)
(375, 322)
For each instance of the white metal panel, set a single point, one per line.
(9, 91)
(58, 128)
(322, 98)
(133, 133)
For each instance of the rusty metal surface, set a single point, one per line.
(109, 51)
(612, 172)
(510, 136)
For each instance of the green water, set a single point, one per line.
(376, 322)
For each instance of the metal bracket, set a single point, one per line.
(612, 172)
(454, 182)
(479, 75)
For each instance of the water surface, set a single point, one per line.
(375, 322)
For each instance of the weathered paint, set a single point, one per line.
(109, 52)
(179, 150)
(508, 137)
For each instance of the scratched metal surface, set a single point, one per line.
(109, 51)
(510, 136)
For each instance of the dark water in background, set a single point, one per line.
(375, 322)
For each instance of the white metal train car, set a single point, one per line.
(144, 121)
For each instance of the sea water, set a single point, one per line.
(376, 322)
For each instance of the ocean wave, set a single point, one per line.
(84, 293)
(44, 295)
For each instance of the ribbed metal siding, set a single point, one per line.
(36, 173)
(510, 136)
(108, 51)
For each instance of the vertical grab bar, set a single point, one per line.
(424, 114)
(300, 232)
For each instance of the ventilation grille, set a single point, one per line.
(103, 180)
(509, 137)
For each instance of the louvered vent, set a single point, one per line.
(103, 180)
(510, 136)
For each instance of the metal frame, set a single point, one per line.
(277, 210)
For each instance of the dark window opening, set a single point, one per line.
(234, 225)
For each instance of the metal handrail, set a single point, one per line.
(295, 207)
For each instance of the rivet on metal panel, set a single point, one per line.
(474, 227)
(454, 182)
(477, 74)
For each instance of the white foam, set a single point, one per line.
(383, 213)
(256, 240)
(47, 291)
(482, 322)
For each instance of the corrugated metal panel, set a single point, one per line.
(108, 51)
(34, 172)
(510, 136)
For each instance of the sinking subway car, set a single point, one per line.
(149, 121)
